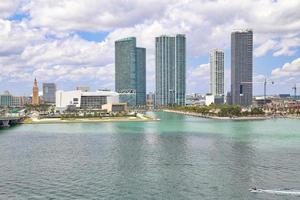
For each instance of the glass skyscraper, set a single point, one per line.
(130, 69)
(49, 90)
(216, 62)
(170, 61)
(141, 77)
(241, 67)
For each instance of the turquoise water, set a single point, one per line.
(179, 157)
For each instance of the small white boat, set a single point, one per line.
(276, 192)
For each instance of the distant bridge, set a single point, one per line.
(9, 121)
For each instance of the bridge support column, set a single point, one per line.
(5, 123)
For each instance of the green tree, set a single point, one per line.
(257, 111)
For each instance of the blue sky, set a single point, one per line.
(71, 42)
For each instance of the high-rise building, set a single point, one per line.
(18, 101)
(6, 99)
(130, 69)
(170, 61)
(216, 60)
(151, 99)
(35, 93)
(49, 90)
(141, 76)
(241, 67)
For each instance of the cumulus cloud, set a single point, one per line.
(198, 77)
(71, 51)
(93, 15)
(8, 7)
(15, 36)
(198, 19)
(289, 70)
(201, 72)
(287, 46)
(264, 48)
(28, 53)
(68, 73)
(46, 43)
(72, 59)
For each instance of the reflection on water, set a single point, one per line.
(179, 157)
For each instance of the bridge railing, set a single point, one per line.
(11, 115)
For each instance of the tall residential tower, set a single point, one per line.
(241, 67)
(170, 61)
(216, 60)
(130, 69)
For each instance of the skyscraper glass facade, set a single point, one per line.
(141, 76)
(49, 90)
(130, 69)
(128, 97)
(180, 70)
(170, 68)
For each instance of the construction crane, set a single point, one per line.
(265, 82)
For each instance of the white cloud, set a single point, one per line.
(46, 44)
(205, 29)
(289, 70)
(259, 78)
(15, 36)
(64, 73)
(8, 7)
(265, 47)
(71, 51)
(28, 53)
(199, 73)
(198, 77)
(93, 15)
(287, 46)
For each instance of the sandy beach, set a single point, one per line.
(139, 118)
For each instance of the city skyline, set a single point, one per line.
(68, 52)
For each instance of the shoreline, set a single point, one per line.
(89, 120)
(292, 117)
(254, 118)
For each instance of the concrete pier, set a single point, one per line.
(8, 121)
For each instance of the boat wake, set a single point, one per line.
(277, 192)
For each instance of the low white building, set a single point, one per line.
(213, 99)
(84, 100)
